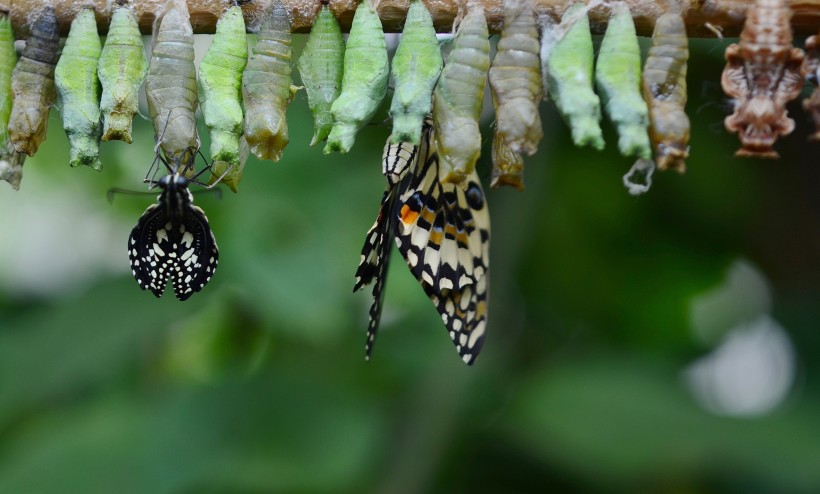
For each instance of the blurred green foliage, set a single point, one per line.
(258, 383)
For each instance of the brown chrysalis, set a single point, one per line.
(812, 73)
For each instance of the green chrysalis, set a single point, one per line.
(664, 88)
(231, 173)
(32, 83)
(459, 96)
(79, 90)
(618, 79)
(515, 79)
(171, 84)
(11, 162)
(416, 68)
(570, 77)
(121, 70)
(364, 84)
(266, 86)
(508, 165)
(220, 91)
(321, 67)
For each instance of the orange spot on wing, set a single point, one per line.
(408, 216)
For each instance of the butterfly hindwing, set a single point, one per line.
(196, 254)
(143, 254)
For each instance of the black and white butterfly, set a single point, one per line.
(443, 231)
(173, 240)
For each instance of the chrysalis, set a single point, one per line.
(122, 70)
(763, 73)
(364, 83)
(549, 37)
(459, 96)
(618, 79)
(79, 90)
(32, 83)
(220, 92)
(11, 162)
(171, 84)
(515, 78)
(812, 72)
(570, 78)
(508, 165)
(416, 68)
(664, 89)
(321, 66)
(266, 86)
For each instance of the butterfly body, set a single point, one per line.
(173, 241)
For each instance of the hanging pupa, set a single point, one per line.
(459, 96)
(549, 37)
(32, 83)
(812, 72)
(515, 79)
(763, 72)
(416, 68)
(266, 86)
(364, 83)
(570, 74)
(79, 90)
(664, 89)
(11, 162)
(220, 93)
(121, 70)
(170, 86)
(618, 79)
(321, 67)
(508, 165)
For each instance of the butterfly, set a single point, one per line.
(173, 240)
(443, 231)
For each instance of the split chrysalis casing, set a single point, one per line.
(11, 162)
(321, 66)
(121, 70)
(763, 72)
(664, 89)
(364, 83)
(32, 83)
(79, 90)
(812, 72)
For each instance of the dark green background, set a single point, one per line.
(258, 383)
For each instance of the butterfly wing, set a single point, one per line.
(196, 254)
(147, 252)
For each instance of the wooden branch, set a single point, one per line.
(727, 15)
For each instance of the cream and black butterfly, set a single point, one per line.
(172, 239)
(443, 231)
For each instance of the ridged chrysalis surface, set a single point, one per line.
(812, 72)
(415, 69)
(321, 66)
(515, 79)
(32, 83)
(664, 89)
(220, 93)
(570, 78)
(171, 84)
(79, 90)
(459, 96)
(121, 70)
(11, 162)
(763, 72)
(364, 83)
(618, 79)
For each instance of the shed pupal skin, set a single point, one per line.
(763, 72)
(811, 72)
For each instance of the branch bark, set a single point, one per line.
(727, 15)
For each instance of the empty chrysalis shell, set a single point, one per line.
(121, 70)
(171, 85)
(32, 83)
(812, 72)
(79, 90)
(11, 162)
(508, 165)
(266, 86)
(364, 83)
(416, 68)
(515, 79)
(549, 36)
(321, 67)
(570, 78)
(618, 79)
(459, 96)
(220, 92)
(664, 89)
(763, 72)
